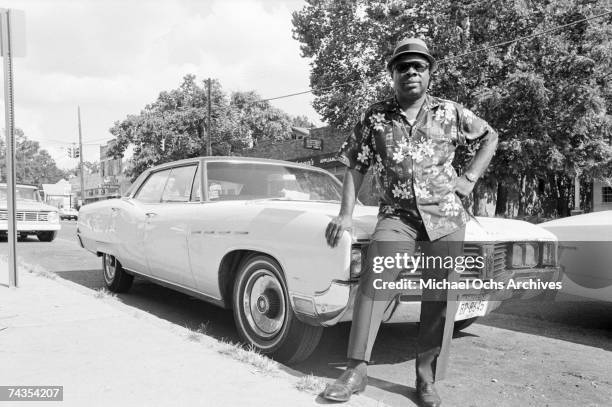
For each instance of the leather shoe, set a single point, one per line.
(427, 395)
(349, 382)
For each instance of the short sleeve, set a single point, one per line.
(471, 127)
(357, 150)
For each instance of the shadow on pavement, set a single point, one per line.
(582, 322)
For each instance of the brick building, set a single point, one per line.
(109, 182)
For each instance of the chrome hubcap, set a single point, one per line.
(264, 303)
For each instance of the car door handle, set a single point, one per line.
(150, 214)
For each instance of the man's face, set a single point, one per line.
(411, 76)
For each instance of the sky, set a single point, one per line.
(113, 57)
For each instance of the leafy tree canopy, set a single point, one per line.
(175, 125)
(549, 96)
(33, 166)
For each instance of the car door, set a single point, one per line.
(130, 217)
(167, 227)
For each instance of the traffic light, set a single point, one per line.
(76, 152)
(70, 152)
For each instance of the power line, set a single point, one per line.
(527, 37)
(89, 143)
(501, 44)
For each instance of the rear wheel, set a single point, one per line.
(46, 236)
(263, 314)
(115, 277)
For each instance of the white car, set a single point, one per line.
(68, 213)
(248, 234)
(585, 245)
(34, 217)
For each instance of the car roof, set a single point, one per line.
(146, 173)
(3, 184)
(236, 159)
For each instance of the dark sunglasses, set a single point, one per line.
(403, 67)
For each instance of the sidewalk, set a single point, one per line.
(105, 353)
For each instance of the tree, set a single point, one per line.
(91, 167)
(302, 121)
(33, 166)
(175, 125)
(171, 128)
(547, 96)
(258, 119)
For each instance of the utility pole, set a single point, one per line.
(81, 158)
(209, 135)
(9, 110)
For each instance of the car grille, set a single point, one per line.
(27, 216)
(497, 252)
(500, 251)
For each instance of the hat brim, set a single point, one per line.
(432, 62)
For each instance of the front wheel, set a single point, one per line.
(46, 236)
(115, 277)
(263, 314)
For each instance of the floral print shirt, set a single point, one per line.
(412, 164)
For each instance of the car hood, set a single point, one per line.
(477, 229)
(588, 219)
(594, 226)
(506, 230)
(29, 206)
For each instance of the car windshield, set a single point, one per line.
(21, 194)
(238, 181)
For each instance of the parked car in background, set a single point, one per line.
(34, 217)
(68, 213)
(585, 245)
(248, 234)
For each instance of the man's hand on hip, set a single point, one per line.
(336, 228)
(464, 187)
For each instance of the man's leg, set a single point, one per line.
(434, 311)
(391, 236)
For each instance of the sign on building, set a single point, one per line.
(313, 143)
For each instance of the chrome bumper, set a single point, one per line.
(335, 304)
(327, 307)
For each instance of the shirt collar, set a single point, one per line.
(429, 103)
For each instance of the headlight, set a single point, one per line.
(53, 217)
(355, 261)
(525, 255)
(549, 254)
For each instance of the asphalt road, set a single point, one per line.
(580, 323)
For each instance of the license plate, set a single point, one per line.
(471, 306)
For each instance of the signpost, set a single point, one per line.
(12, 33)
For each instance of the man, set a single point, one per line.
(409, 142)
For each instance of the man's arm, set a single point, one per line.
(472, 128)
(350, 187)
(485, 153)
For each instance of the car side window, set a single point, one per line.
(179, 184)
(151, 190)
